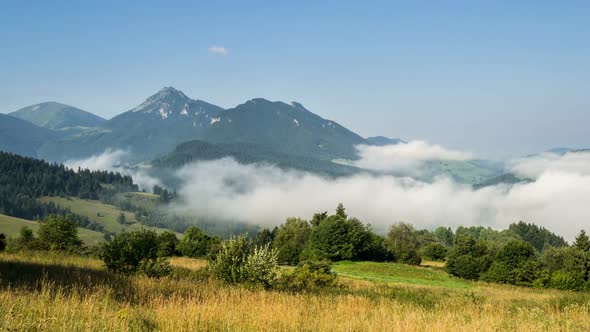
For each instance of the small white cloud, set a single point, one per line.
(114, 160)
(219, 50)
(404, 157)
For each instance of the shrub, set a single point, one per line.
(514, 264)
(156, 268)
(262, 267)
(467, 258)
(411, 257)
(131, 252)
(309, 276)
(239, 262)
(230, 261)
(434, 251)
(168, 243)
(59, 233)
(25, 241)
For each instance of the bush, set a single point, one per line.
(230, 261)
(25, 241)
(157, 268)
(514, 264)
(59, 233)
(309, 276)
(262, 266)
(132, 252)
(239, 262)
(411, 257)
(168, 242)
(467, 258)
(434, 251)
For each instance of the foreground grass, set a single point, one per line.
(11, 227)
(66, 293)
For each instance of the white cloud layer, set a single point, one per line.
(225, 189)
(408, 157)
(559, 199)
(218, 50)
(535, 166)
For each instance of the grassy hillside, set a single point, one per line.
(101, 213)
(148, 201)
(56, 293)
(11, 227)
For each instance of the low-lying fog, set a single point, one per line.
(558, 199)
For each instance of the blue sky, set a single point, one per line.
(494, 77)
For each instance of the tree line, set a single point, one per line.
(23, 180)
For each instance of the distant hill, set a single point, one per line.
(382, 140)
(169, 118)
(22, 137)
(54, 115)
(507, 178)
(248, 153)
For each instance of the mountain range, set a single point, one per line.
(170, 129)
(169, 118)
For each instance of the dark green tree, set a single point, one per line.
(291, 239)
(168, 243)
(195, 243)
(331, 240)
(444, 235)
(318, 217)
(263, 237)
(121, 219)
(402, 241)
(341, 211)
(59, 233)
(468, 258)
(582, 241)
(515, 263)
(132, 252)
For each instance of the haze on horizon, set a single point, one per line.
(496, 78)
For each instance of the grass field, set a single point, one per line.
(11, 227)
(101, 213)
(146, 200)
(41, 291)
(399, 273)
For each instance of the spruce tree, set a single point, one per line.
(582, 241)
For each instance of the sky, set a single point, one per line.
(496, 78)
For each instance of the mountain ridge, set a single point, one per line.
(169, 117)
(55, 116)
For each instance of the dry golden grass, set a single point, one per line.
(188, 263)
(142, 304)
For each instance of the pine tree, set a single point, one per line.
(121, 219)
(341, 211)
(582, 241)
